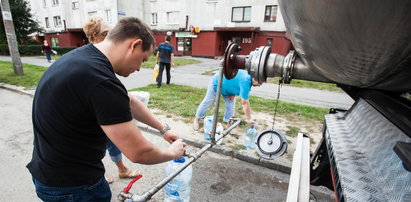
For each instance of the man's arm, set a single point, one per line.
(172, 59)
(247, 111)
(157, 56)
(128, 138)
(141, 113)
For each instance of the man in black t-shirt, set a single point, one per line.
(79, 102)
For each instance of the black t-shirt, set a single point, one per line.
(77, 94)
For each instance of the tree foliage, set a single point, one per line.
(24, 24)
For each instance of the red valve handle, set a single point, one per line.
(131, 183)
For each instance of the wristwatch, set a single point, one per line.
(165, 129)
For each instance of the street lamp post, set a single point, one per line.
(11, 37)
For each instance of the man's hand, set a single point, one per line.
(170, 137)
(173, 65)
(177, 149)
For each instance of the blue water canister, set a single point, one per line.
(208, 126)
(250, 137)
(178, 189)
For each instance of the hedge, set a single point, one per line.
(29, 50)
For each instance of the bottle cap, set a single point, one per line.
(180, 160)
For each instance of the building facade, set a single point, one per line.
(199, 27)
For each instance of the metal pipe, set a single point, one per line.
(217, 105)
(192, 158)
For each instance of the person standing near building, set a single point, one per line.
(96, 30)
(79, 102)
(240, 85)
(46, 50)
(165, 52)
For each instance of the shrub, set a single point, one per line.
(29, 50)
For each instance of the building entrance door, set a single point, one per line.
(187, 47)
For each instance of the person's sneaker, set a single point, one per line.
(195, 124)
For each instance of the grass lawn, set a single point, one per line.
(184, 100)
(32, 75)
(177, 61)
(296, 83)
(176, 99)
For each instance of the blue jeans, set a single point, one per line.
(209, 100)
(113, 151)
(96, 192)
(48, 56)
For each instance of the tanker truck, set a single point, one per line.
(365, 48)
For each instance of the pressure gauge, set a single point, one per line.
(271, 144)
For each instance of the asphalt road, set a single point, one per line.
(215, 177)
(191, 75)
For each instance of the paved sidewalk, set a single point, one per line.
(191, 75)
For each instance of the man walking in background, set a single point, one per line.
(165, 52)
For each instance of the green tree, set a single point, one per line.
(23, 22)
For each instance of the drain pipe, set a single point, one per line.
(123, 196)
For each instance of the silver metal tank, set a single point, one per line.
(366, 44)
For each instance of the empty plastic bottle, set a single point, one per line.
(178, 189)
(250, 137)
(208, 126)
(219, 133)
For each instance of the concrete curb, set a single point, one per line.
(244, 156)
(16, 89)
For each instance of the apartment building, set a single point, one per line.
(199, 27)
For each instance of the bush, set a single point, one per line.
(30, 50)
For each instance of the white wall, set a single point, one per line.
(205, 14)
(209, 14)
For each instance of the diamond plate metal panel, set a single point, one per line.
(360, 144)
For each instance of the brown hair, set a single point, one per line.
(131, 27)
(95, 24)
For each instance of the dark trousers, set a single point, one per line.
(160, 73)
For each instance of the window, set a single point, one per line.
(57, 21)
(92, 13)
(241, 14)
(172, 17)
(55, 2)
(154, 19)
(270, 14)
(236, 40)
(269, 42)
(75, 5)
(54, 42)
(108, 15)
(46, 19)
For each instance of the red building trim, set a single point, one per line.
(213, 43)
(73, 38)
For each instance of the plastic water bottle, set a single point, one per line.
(250, 137)
(178, 189)
(219, 133)
(208, 126)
